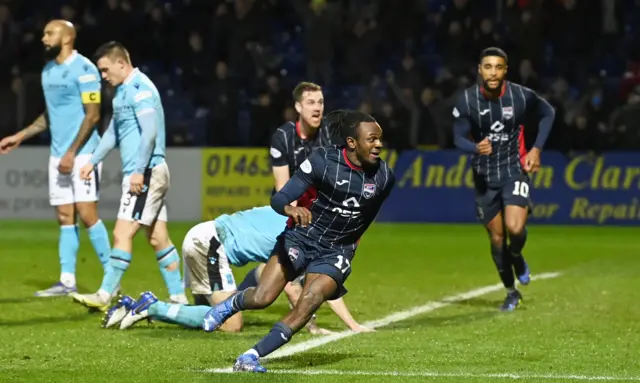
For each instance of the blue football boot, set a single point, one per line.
(218, 315)
(248, 363)
(512, 301)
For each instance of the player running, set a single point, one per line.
(71, 86)
(293, 142)
(209, 249)
(351, 182)
(493, 113)
(137, 128)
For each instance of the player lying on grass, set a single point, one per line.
(351, 183)
(209, 249)
(493, 114)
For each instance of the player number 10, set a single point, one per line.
(342, 260)
(521, 189)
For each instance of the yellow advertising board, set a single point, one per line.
(234, 179)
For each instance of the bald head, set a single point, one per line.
(65, 28)
(58, 38)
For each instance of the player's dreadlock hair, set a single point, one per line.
(494, 51)
(345, 122)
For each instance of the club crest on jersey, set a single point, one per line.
(507, 112)
(369, 190)
(293, 254)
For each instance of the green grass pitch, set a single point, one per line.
(583, 325)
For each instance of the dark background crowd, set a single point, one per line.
(226, 68)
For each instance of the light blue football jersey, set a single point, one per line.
(67, 87)
(250, 235)
(135, 97)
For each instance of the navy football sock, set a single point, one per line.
(502, 260)
(517, 243)
(237, 302)
(250, 280)
(279, 335)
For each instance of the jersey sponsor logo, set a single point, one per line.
(306, 166)
(275, 153)
(342, 182)
(496, 132)
(507, 112)
(90, 97)
(143, 95)
(87, 78)
(349, 209)
(497, 127)
(369, 190)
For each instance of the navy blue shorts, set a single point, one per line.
(491, 200)
(302, 257)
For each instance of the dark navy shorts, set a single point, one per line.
(491, 200)
(302, 257)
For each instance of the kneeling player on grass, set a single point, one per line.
(351, 183)
(208, 250)
(493, 113)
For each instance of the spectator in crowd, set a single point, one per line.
(234, 61)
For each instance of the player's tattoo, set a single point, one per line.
(91, 118)
(38, 126)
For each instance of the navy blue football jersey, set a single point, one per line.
(501, 121)
(289, 148)
(345, 198)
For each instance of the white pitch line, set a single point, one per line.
(434, 374)
(397, 317)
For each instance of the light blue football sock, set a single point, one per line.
(118, 264)
(187, 316)
(100, 241)
(172, 279)
(68, 246)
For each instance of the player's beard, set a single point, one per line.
(485, 85)
(52, 52)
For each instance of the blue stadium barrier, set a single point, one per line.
(437, 186)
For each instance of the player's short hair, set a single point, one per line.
(114, 50)
(494, 51)
(305, 87)
(345, 122)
